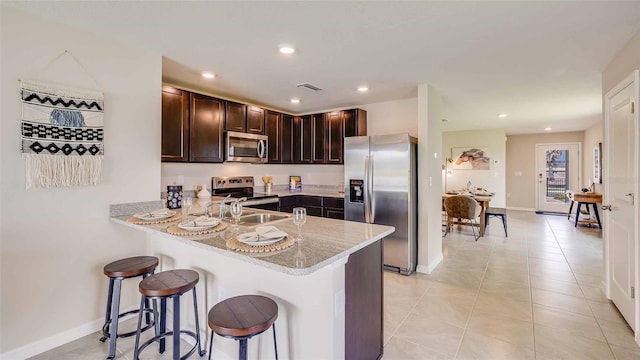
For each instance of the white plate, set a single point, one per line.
(251, 238)
(155, 215)
(199, 224)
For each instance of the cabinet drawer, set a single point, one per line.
(334, 213)
(287, 201)
(331, 202)
(314, 210)
(303, 200)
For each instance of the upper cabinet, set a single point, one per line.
(236, 116)
(193, 128)
(206, 129)
(175, 124)
(255, 120)
(302, 139)
(244, 118)
(273, 124)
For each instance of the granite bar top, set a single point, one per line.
(326, 242)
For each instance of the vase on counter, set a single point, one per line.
(174, 196)
(203, 193)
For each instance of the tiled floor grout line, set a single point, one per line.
(581, 291)
(475, 301)
(533, 322)
(406, 316)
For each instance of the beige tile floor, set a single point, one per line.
(533, 295)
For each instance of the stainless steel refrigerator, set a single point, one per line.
(380, 179)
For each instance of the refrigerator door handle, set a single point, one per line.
(372, 204)
(366, 190)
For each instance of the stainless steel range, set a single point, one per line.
(242, 186)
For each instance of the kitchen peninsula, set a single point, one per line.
(328, 286)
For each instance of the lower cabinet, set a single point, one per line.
(328, 207)
(363, 304)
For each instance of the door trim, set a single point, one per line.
(632, 79)
(578, 143)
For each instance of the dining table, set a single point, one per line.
(483, 200)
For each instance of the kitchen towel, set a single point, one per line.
(62, 135)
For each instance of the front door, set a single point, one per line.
(621, 165)
(557, 170)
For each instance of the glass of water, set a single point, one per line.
(236, 210)
(299, 218)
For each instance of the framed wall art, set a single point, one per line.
(597, 164)
(470, 158)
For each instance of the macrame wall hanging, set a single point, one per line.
(62, 133)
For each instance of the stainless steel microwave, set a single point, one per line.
(242, 147)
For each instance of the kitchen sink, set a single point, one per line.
(261, 218)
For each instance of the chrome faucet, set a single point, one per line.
(207, 208)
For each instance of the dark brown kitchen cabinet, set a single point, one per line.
(302, 139)
(335, 137)
(319, 145)
(175, 124)
(206, 129)
(363, 286)
(333, 207)
(313, 204)
(255, 120)
(355, 122)
(286, 139)
(236, 116)
(273, 123)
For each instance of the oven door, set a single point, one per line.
(242, 147)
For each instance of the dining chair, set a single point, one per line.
(466, 210)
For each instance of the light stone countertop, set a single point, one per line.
(310, 192)
(326, 242)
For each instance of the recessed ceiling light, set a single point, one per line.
(503, 115)
(547, 129)
(295, 101)
(208, 75)
(363, 88)
(286, 49)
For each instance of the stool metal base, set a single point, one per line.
(160, 327)
(242, 351)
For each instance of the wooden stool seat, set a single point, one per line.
(243, 317)
(131, 267)
(116, 272)
(169, 283)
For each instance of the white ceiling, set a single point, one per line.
(540, 62)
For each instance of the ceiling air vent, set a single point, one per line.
(309, 87)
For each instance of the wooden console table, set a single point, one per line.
(586, 199)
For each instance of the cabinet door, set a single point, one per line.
(355, 122)
(206, 129)
(255, 120)
(272, 125)
(175, 124)
(319, 139)
(302, 139)
(286, 139)
(335, 136)
(236, 115)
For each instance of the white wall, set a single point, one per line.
(494, 179)
(198, 174)
(392, 117)
(55, 242)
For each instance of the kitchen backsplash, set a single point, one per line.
(191, 175)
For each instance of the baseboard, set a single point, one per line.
(48, 343)
(423, 269)
(520, 208)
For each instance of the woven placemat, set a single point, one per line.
(234, 244)
(137, 221)
(175, 230)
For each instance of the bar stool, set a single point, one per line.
(497, 212)
(241, 318)
(165, 285)
(117, 271)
